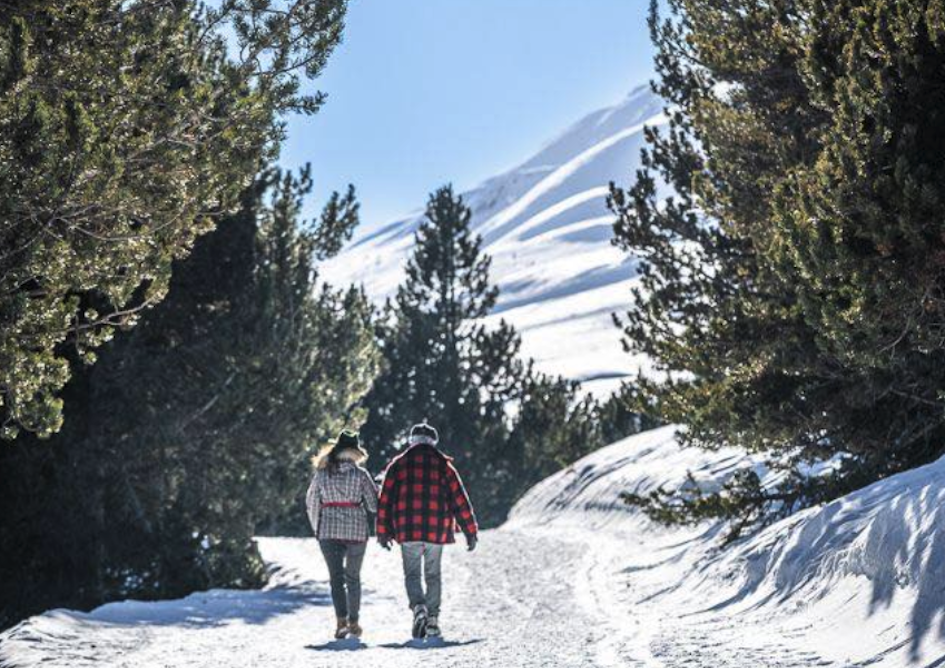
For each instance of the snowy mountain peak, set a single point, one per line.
(546, 225)
(638, 107)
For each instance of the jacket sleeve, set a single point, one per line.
(385, 505)
(460, 505)
(313, 503)
(368, 493)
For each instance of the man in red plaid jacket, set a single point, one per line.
(422, 500)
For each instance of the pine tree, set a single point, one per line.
(442, 363)
(554, 427)
(194, 432)
(790, 286)
(126, 130)
(625, 413)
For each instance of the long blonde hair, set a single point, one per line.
(329, 457)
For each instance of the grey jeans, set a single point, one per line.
(422, 564)
(344, 568)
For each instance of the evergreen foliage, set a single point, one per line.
(791, 287)
(195, 430)
(555, 426)
(126, 129)
(624, 413)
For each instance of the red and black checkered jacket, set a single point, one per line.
(423, 499)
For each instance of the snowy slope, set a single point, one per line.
(547, 227)
(857, 582)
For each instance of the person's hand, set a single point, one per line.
(471, 542)
(384, 542)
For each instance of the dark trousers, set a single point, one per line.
(344, 567)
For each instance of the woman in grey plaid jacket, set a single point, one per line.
(342, 503)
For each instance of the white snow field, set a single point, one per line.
(576, 578)
(548, 230)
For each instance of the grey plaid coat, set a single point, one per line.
(342, 503)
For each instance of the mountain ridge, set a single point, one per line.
(546, 225)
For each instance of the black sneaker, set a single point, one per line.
(420, 621)
(433, 627)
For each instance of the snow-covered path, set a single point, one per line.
(511, 603)
(577, 578)
(525, 598)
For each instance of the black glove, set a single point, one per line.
(471, 541)
(384, 542)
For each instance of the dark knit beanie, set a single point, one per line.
(423, 433)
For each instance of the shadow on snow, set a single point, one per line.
(430, 643)
(343, 645)
(211, 608)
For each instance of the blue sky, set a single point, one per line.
(425, 92)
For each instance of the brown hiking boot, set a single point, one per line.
(341, 630)
(355, 629)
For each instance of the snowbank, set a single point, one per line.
(860, 581)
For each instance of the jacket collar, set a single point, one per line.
(420, 446)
